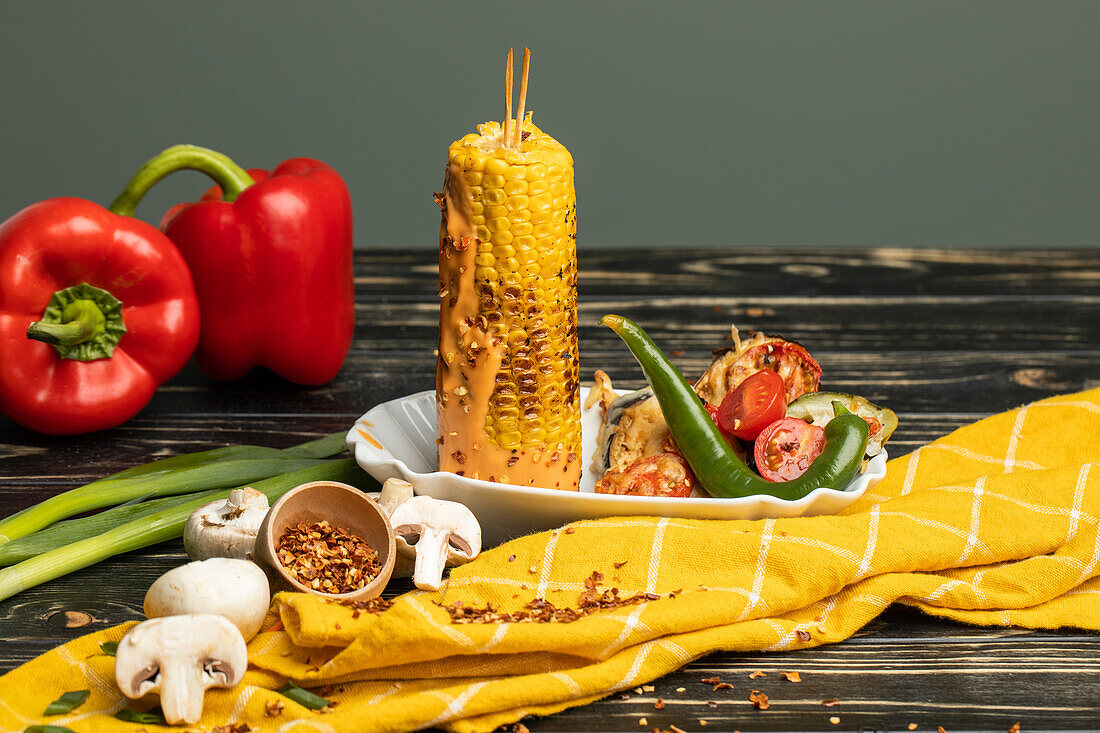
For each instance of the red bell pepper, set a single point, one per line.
(96, 311)
(271, 259)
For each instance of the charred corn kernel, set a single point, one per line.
(508, 259)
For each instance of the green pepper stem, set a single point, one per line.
(82, 321)
(231, 177)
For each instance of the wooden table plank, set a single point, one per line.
(944, 337)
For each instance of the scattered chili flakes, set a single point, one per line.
(939, 729)
(757, 673)
(619, 564)
(673, 729)
(759, 700)
(712, 704)
(569, 530)
(710, 680)
(643, 721)
(533, 569)
(227, 728)
(912, 726)
(831, 702)
(722, 686)
(327, 558)
(371, 605)
(660, 704)
(1015, 728)
(511, 558)
(330, 708)
(520, 728)
(594, 598)
(273, 708)
(804, 635)
(624, 696)
(792, 676)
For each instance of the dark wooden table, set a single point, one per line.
(943, 337)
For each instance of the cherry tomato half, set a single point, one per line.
(800, 373)
(753, 405)
(665, 474)
(787, 448)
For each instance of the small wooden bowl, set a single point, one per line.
(343, 506)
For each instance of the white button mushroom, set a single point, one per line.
(226, 528)
(235, 589)
(436, 533)
(180, 657)
(395, 492)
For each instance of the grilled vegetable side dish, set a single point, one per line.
(719, 470)
(507, 378)
(634, 427)
(782, 442)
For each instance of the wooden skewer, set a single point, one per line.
(518, 134)
(508, 101)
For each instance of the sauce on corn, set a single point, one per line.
(507, 378)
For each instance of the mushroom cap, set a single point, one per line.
(180, 657)
(456, 520)
(235, 589)
(395, 491)
(436, 533)
(226, 528)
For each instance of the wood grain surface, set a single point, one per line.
(943, 337)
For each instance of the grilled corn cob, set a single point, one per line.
(507, 380)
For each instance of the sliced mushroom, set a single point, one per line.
(226, 528)
(235, 589)
(180, 657)
(436, 533)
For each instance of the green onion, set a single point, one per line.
(48, 729)
(67, 702)
(110, 648)
(213, 469)
(63, 533)
(305, 698)
(152, 715)
(160, 526)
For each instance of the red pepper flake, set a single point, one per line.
(659, 705)
(722, 686)
(273, 708)
(673, 729)
(569, 530)
(792, 677)
(939, 729)
(710, 680)
(675, 352)
(831, 702)
(520, 728)
(759, 700)
(803, 635)
(1014, 729)
(619, 564)
(511, 558)
(712, 704)
(624, 696)
(757, 673)
(371, 605)
(327, 558)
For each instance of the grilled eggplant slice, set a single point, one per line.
(817, 408)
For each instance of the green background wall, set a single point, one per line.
(969, 124)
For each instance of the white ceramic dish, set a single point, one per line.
(397, 439)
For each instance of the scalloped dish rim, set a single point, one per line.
(373, 459)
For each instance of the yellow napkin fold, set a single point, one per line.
(995, 524)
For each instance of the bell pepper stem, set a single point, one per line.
(82, 321)
(231, 177)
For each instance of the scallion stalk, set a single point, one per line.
(64, 533)
(213, 469)
(163, 525)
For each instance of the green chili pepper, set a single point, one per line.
(719, 470)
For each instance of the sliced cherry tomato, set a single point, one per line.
(665, 474)
(787, 448)
(753, 405)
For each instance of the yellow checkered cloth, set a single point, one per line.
(995, 524)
